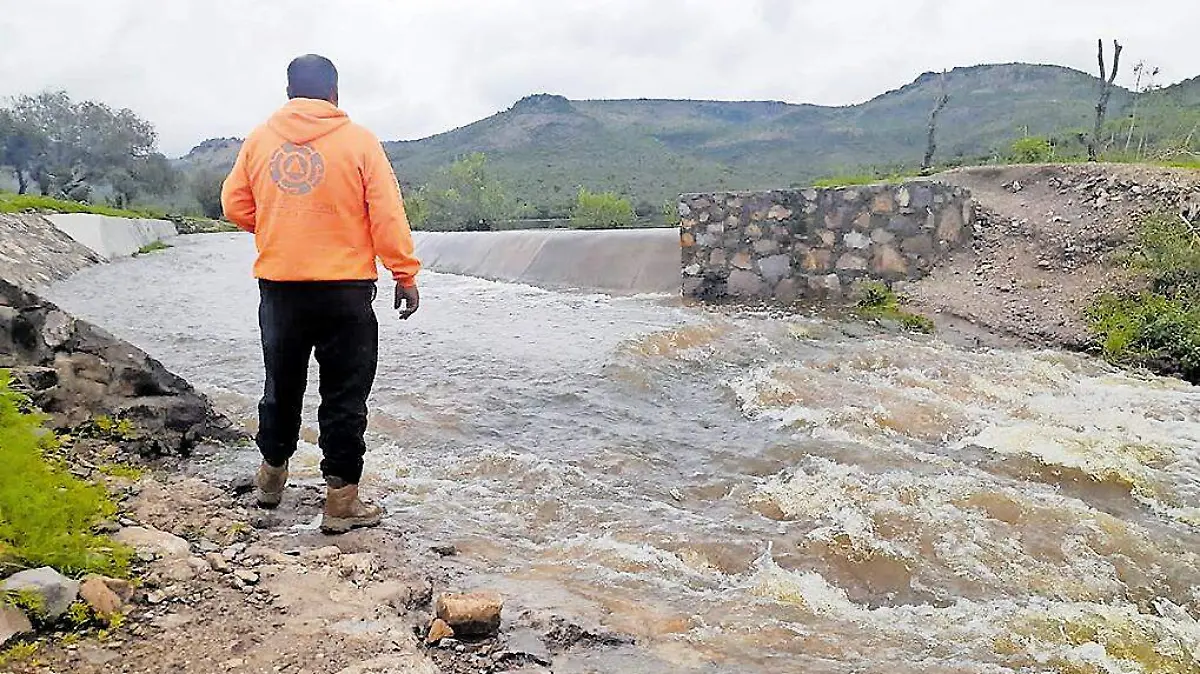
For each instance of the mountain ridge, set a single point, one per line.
(545, 147)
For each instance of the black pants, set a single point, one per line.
(336, 321)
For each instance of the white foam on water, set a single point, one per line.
(966, 533)
(1029, 635)
(1059, 410)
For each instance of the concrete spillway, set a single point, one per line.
(613, 261)
(112, 237)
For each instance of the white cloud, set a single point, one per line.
(203, 68)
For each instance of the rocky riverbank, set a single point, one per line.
(1048, 239)
(217, 585)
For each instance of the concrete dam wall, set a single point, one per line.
(629, 261)
(112, 237)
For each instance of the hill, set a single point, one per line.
(545, 147)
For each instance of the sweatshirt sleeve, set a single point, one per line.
(237, 197)
(389, 224)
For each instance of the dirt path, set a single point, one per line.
(1047, 242)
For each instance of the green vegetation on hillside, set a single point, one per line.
(47, 515)
(22, 203)
(544, 149)
(1158, 327)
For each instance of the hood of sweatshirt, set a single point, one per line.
(304, 120)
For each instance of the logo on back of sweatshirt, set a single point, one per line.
(297, 169)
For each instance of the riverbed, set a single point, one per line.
(742, 492)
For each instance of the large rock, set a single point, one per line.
(13, 623)
(56, 591)
(76, 372)
(471, 615)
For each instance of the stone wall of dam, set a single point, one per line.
(817, 244)
(628, 262)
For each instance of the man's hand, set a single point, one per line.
(409, 298)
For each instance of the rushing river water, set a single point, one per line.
(746, 493)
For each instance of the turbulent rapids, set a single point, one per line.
(746, 492)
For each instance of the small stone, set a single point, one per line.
(234, 551)
(851, 262)
(444, 550)
(13, 623)
(744, 284)
(161, 543)
(743, 261)
(856, 240)
(323, 555)
(94, 591)
(779, 213)
(687, 240)
(775, 268)
(156, 597)
(56, 591)
(217, 562)
(246, 576)
(438, 630)
(817, 261)
(473, 615)
(359, 565)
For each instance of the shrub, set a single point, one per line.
(877, 301)
(601, 210)
(47, 514)
(1158, 327)
(1032, 150)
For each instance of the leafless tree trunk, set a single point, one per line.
(22, 181)
(1107, 80)
(931, 145)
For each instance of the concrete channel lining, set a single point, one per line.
(112, 237)
(627, 262)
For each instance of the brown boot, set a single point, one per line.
(270, 483)
(345, 511)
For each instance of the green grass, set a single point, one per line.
(24, 203)
(152, 247)
(1158, 326)
(854, 180)
(877, 301)
(47, 515)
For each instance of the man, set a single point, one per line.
(320, 197)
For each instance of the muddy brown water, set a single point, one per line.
(742, 492)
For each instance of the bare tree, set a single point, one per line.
(931, 146)
(1107, 80)
(1143, 72)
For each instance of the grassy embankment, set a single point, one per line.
(1157, 325)
(48, 517)
(31, 203)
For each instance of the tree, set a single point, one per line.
(462, 196)
(152, 175)
(20, 145)
(931, 145)
(206, 188)
(1032, 150)
(1141, 72)
(604, 210)
(79, 146)
(1107, 80)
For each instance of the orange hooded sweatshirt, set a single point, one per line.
(320, 197)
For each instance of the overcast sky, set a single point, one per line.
(411, 68)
